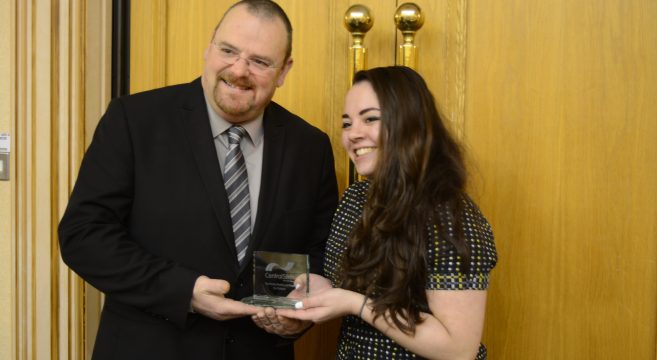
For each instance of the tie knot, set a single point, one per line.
(235, 134)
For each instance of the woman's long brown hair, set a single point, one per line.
(419, 166)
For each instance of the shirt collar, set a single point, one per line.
(219, 125)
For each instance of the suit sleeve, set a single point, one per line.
(95, 237)
(326, 203)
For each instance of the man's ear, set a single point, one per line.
(206, 53)
(284, 71)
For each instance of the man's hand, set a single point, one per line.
(208, 299)
(268, 320)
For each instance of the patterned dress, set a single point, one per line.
(359, 340)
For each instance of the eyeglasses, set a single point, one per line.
(231, 56)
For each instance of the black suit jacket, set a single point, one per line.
(149, 214)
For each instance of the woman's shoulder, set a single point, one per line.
(351, 204)
(356, 191)
(473, 216)
(477, 231)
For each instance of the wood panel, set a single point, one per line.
(441, 46)
(7, 288)
(148, 60)
(561, 119)
(50, 65)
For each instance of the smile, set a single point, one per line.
(363, 151)
(235, 86)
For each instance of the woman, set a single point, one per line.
(409, 253)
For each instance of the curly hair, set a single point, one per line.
(419, 166)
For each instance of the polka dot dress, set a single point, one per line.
(359, 340)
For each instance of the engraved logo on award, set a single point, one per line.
(273, 278)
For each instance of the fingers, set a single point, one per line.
(220, 308)
(237, 308)
(217, 286)
(312, 284)
(307, 303)
(288, 313)
(266, 319)
(300, 283)
(309, 315)
(205, 285)
(302, 311)
(319, 283)
(270, 320)
(208, 298)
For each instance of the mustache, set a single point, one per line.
(240, 81)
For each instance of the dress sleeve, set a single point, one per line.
(444, 272)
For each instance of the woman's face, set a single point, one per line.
(360, 127)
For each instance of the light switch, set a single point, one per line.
(5, 142)
(4, 166)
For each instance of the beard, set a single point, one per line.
(233, 104)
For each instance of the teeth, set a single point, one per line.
(235, 86)
(363, 151)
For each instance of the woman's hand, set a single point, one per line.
(327, 304)
(318, 284)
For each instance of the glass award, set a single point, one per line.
(273, 278)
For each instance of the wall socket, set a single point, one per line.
(4, 166)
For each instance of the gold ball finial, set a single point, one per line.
(358, 19)
(408, 17)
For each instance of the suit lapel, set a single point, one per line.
(196, 123)
(271, 163)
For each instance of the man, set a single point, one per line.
(163, 218)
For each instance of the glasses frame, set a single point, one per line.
(256, 66)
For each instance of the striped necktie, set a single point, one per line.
(237, 189)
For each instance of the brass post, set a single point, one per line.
(408, 19)
(358, 21)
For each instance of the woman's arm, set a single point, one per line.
(453, 331)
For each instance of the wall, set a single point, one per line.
(57, 48)
(561, 121)
(6, 259)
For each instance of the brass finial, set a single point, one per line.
(358, 20)
(409, 18)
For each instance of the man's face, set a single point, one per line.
(235, 88)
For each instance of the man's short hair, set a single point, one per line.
(265, 9)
